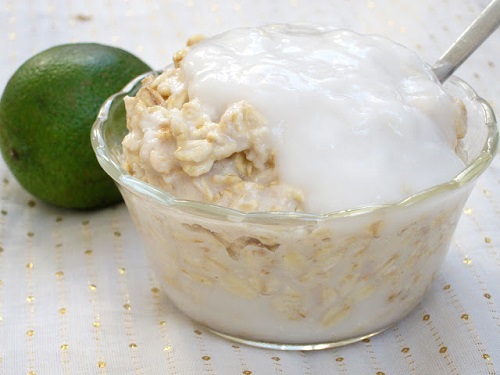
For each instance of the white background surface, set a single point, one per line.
(76, 293)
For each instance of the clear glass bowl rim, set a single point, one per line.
(113, 168)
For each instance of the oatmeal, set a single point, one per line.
(297, 119)
(299, 282)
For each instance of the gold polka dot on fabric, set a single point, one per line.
(487, 295)
(162, 322)
(206, 358)
(487, 239)
(122, 270)
(30, 299)
(132, 345)
(31, 203)
(468, 211)
(64, 347)
(446, 287)
(168, 348)
(127, 306)
(30, 332)
(198, 332)
(101, 364)
(277, 359)
(83, 17)
(405, 350)
(380, 373)
(486, 356)
(59, 274)
(443, 349)
(88, 252)
(30, 265)
(426, 317)
(467, 260)
(117, 234)
(247, 372)
(92, 287)
(30, 234)
(31, 373)
(155, 290)
(62, 310)
(96, 324)
(339, 359)
(465, 317)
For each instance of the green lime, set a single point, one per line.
(46, 113)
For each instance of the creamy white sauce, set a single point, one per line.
(356, 119)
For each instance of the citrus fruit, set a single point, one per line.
(46, 113)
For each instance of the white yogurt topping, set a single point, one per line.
(356, 120)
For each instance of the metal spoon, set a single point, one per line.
(480, 29)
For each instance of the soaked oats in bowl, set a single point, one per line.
(256, 169)
(302, 282)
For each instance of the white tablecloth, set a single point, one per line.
(76, 293)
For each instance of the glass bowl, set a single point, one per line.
(291, 280)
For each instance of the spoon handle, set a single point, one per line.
(468, 41)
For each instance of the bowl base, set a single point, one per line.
(297, 347)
